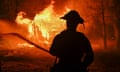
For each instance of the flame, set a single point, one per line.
(20, 19)
(45, 25)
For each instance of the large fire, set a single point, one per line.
(45, 25)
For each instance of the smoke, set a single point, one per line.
(10, 27)
(5, 27)
(32, 7)
(59, 5)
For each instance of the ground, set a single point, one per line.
(104, 62)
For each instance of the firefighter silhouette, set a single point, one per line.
(71, 47)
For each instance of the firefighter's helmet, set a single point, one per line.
(74, 16)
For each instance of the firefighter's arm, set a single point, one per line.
(54, 47)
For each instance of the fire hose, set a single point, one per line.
(25, 39)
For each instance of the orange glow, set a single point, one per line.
(46, 24)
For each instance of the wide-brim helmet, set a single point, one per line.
(73, 16)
